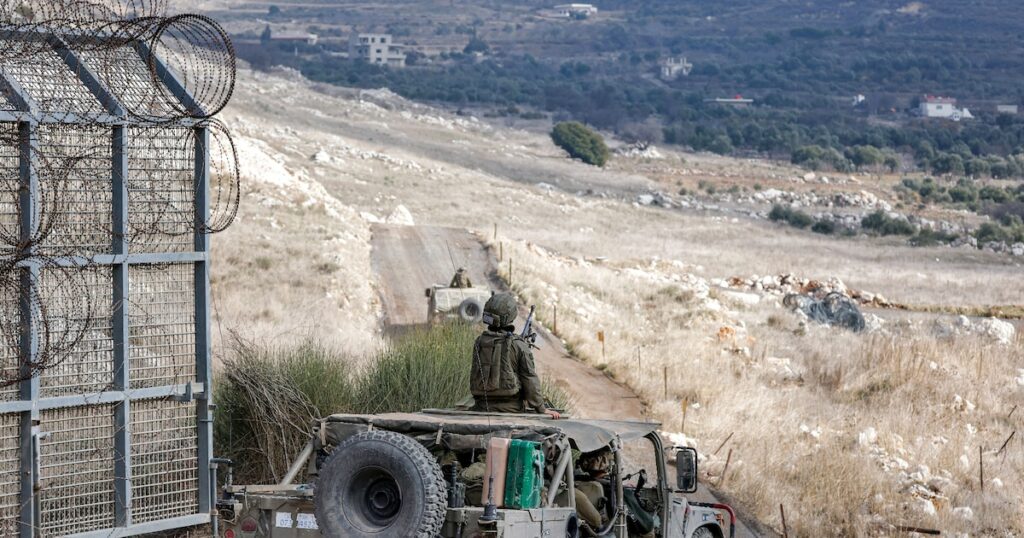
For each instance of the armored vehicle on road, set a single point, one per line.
(445, 303)
(458, 474)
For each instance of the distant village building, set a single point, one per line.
(379, 49)
(943, 108)
(294, 37)
(737, 101)
(576, 10)
(1007, 109)
(672, 68)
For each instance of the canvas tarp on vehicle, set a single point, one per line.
(470, 430)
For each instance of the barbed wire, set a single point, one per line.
(161, 79)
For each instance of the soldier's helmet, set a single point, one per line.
(500, 310)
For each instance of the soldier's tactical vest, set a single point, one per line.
(494, 360)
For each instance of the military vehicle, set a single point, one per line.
(460, 474)
(445, 303)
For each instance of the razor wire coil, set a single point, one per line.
(75, 75)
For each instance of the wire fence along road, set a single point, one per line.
(113, 172)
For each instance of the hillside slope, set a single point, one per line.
(854, 433)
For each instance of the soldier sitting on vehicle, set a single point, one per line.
(504, 377)
(461, 279)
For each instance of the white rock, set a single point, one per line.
(321, 157)
(783, 371)
(963, 322)
(370, 217)
(1020, 380)
(873, 323)
(867, 437)
(964, 512)
(997, 329)
(679, 439)
(996, 483)
(747, 299)
(965, 462)
(901, 464)
(815, 433)
(401, 216)
(926, 506)
(939, 483)
(962, 405)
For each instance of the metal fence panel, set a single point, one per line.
(164, 460)
(10, 462)
(76, 464)
(113, 437)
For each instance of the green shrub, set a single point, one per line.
(825, 227)
(793, 217)
(994, 194)
(948, 163)
(581, 143)
(1011, 232)
(817, 157)
(928, 238)
(964, 194)
(882, 224)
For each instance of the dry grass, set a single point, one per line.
(450, 174)
(796, 432)
(294, 266)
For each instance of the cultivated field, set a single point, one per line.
(854, 434)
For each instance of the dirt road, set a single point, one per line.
(409, 259)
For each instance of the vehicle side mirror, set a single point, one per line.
(427, 293)
(686, 470)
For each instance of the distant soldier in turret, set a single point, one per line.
(504, 378)
(461, 279)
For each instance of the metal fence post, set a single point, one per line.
(204, 370)
(122, 373)
(29, 345)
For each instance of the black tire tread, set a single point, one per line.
(436, 493)
(704, 532)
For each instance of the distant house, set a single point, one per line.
(294, 37)
(736, 101)
(576, 10)
(943, 108)
(1007, 109)
(379, 49)
(672, 68)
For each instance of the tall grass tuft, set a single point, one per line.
(425, 368)
(268, 397)
(265, 404)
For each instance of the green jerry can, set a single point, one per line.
(525, 475)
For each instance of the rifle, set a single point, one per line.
(528, 333)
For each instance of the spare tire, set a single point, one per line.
(378, 484)
(471, 311)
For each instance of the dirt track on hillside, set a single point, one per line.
(409, 259)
